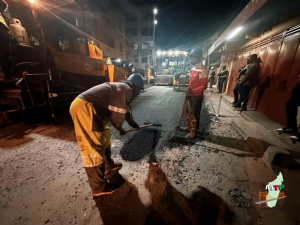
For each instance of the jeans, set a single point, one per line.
(244, 92)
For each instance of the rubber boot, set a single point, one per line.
(290, 130)
(191, 135)
(111, 167)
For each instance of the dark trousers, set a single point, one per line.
(96, 174)
(291, 107)
(211, 82)
(236, 92)
(244, 95)
(193, 110)
(221, 82)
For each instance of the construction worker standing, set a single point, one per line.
(91, 111)
(211, 77)
(197, 84)
(222, 77)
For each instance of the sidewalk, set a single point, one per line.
(260, 133)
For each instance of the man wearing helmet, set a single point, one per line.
(211, 78)
(91, 112)
(197, 84)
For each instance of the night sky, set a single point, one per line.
(181, 21)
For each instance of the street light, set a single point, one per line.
(31, 1)
(158, 52)
(154, 23)
(234, 33)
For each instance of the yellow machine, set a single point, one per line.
(49, 74)
(75, 60)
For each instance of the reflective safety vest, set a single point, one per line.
(212, 74)
(224, 75)
(3, 21)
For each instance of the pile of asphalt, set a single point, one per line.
(140, 144)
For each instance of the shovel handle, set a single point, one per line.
(141, 127)
(181, 113)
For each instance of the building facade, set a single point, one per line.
(275, 38)
(139, 22)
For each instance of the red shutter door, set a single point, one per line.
(276, 105)
(262, 53)
(267, 72)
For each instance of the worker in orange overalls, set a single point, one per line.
(91, 112)
(197, 84)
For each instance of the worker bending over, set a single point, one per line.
(91, 112)
(197, 84)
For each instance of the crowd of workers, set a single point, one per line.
(249, 78)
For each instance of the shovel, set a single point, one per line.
(177, 128)
(145, 126)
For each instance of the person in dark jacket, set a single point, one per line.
(91, 112)
(247, 81)
(291, 107)
(222, 77)
(236, 89)
(211, 77)
(7, 39)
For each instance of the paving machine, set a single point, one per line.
(38, 76)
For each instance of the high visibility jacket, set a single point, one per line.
(223, 74)
(212, 74)
(111, 101)
(198, 81)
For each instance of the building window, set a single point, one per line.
(135, 46)
(134, 31)
(127, 31)
(127, 17)
(144, 59)
(128, 43)
(111, 42)
(147, 17)
(121, 47)
(150, 31)
(145, 46)
(133, 17)
(144, 32)
(135, 59)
